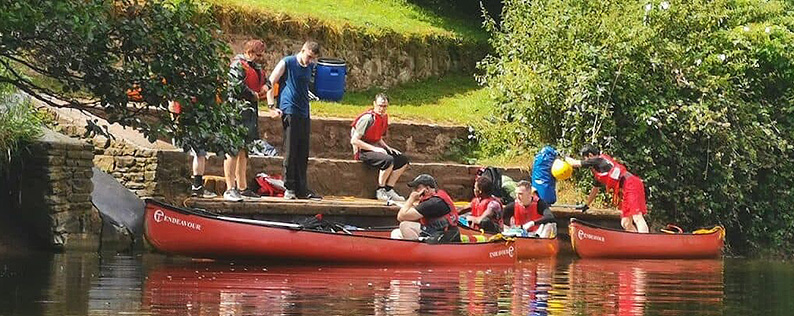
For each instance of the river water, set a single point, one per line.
(152, 284)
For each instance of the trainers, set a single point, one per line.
(382, 195)
(311, 196)
(232, 195)
(290, 195)
(201, 192)
(249, 193)
(394, 196)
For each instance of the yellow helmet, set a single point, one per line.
(561, 169)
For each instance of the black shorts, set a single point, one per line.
(250, 119)
(382, 161)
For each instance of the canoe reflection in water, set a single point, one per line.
(627, 287)
(237, 289)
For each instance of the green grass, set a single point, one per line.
(451, 100)
(396, 15)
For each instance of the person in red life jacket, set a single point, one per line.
(530, 212)
(485, 209)
(429, 213)
(199, 159)
(628, 190)
(247, 85)
(366, 136)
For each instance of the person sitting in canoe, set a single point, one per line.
(628, 191)
(366, 136)
(530, 212)
(429, 213)
(485, 209)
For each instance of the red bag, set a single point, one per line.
(270, 185)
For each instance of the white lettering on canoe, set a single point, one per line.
(583, 235)
(159, 217)
(510, 251)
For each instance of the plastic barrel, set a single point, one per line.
(329, 82)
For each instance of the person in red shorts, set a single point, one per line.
(628, 191)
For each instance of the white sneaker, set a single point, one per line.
(394, 196)
(290, 195)
(232, 195)
(382, 195)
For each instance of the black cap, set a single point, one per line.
(425, 179)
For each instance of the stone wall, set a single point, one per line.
(55, 193)
(330, 138)
(381, 60)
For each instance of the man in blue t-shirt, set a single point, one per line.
(293, 74)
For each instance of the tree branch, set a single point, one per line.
(37, 69)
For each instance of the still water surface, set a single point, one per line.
(150, 284)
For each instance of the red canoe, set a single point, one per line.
(591, 241)
(200, 234)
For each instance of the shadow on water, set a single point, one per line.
(100, 284)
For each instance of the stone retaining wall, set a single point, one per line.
(373, 60)
(55, 193)
(330, 138)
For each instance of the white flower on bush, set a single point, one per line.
(746, 28)
(664, 5)
(767, 30)
(697, 62)
(721, 57)
(648, 7)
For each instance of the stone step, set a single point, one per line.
(352, 178)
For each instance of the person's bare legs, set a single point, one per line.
(395, 175)
(240, 172)
(410, 230)
(199, 164)
(639, 221)
(229, 171)
(627, 224)
(383, 175)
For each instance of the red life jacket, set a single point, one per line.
(611, 178)
(375, 132)
(450, 219)
(478, 207)
(523, 214)
(254, 78)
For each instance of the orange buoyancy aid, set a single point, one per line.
(523, 214)
(445, 221)
(478, 207)
(377, 130)
(254, 78)
(611, 178)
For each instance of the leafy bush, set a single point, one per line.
(129, 58)
(19, 123)
(694, 96)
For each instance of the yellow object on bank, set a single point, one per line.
(561, 170)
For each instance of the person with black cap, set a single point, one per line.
(428, 214)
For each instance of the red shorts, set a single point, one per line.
(633, 197)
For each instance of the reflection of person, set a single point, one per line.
(293, 74)
(428, 213)
(628, 191)
(486, 210)
(530, 212)
(247, 85)
(366, 137)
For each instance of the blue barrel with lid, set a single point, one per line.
(329, 81)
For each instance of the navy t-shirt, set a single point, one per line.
(293, 99)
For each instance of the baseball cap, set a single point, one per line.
(425, 179)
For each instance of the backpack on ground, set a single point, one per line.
(270, 185)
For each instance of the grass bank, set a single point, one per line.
(374, 16)
(451, 100)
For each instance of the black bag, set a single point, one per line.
(495, 174)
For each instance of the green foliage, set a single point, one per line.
(694, 96)
(20, 123)
(111, 51)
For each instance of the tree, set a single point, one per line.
(695, 96)
(128, 58)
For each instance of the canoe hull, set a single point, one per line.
(590, 241)
(176, 231)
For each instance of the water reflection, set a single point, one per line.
(91, 284)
